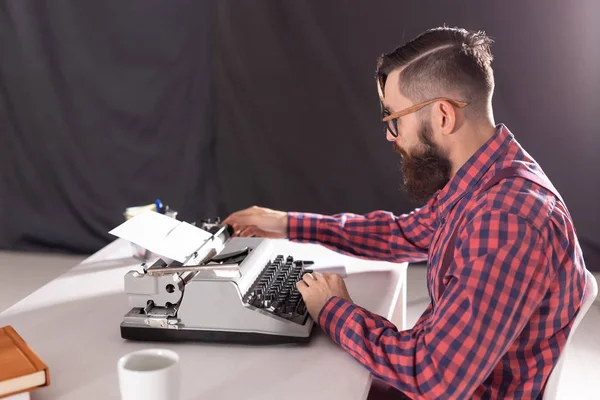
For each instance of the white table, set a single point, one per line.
(73, 324)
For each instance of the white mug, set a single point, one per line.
(151, 374)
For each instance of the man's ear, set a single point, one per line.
(446, 117)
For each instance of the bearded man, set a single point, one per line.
(505, 269)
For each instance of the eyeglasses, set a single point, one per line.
(391, 120)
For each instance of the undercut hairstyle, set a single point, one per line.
(450, 62)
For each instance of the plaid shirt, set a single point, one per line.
(499, 315)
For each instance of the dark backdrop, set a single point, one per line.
(103, 105)
(216, 106)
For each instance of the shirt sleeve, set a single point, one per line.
(499, 276)
(378, 235)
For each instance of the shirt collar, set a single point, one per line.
(468, 176)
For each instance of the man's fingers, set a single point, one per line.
(301, 286)
(308, 278)
(237, 229)
(247, 231)
(232, 219)
(238, 217)
(244, 230)
(253, 230)
(267, 234)
(236, 220)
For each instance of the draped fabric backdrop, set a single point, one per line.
(214, 106)
(103, 105)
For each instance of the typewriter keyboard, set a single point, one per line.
(274, 289)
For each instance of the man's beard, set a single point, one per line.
(426, 170)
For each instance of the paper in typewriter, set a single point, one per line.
(162, 235)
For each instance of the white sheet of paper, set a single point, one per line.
(162, 235)
(182, 241)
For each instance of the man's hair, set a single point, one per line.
(444, 62)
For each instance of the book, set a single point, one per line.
(21, 369)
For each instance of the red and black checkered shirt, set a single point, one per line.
(499, 314)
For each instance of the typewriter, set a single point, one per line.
(231, 289)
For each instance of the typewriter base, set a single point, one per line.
(198, 335)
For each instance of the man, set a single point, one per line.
(505, 270)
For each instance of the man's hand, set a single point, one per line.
(317, 288)
(258, 221)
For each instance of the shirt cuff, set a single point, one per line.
(334, 316)
(303, 227)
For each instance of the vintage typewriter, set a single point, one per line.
(232, 289)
